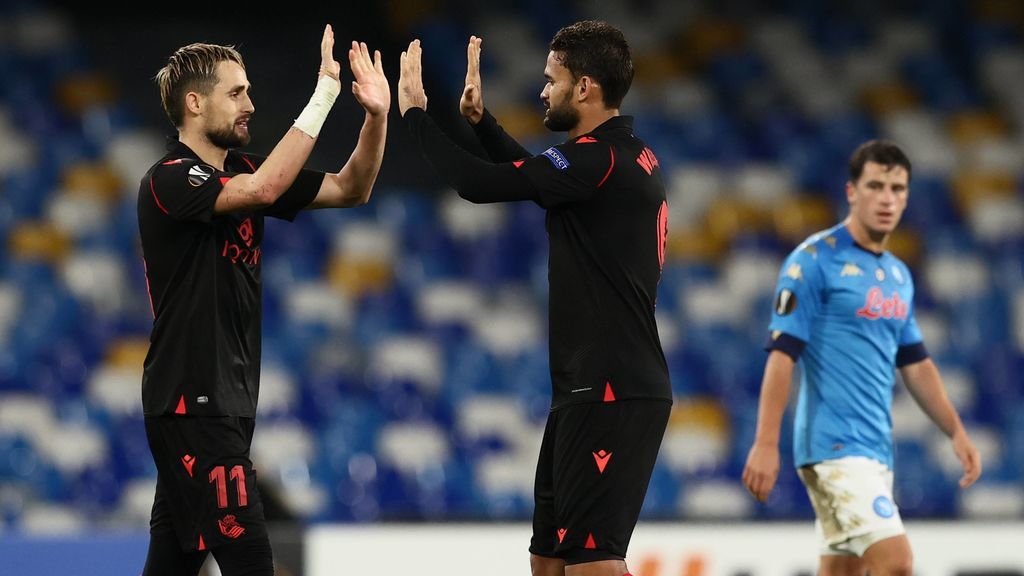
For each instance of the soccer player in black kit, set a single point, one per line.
(201, 210)
(606, 223)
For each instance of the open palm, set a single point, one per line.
(370, 87)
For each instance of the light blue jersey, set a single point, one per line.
(847, 314)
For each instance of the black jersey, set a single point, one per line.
(203, 276)
(606, 223)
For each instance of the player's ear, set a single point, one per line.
(851, 192)
(193, 103)
(585, 88)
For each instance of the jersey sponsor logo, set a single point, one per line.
(851, 269)
(245, 231)
(795, 272)
(601, 459)
(230, 527)
(884, 507)
(647, 160)
(244, 252)
(785, 302)
(198, 174)
(877, 306)
(556, 158)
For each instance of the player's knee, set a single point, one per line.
(898, 566)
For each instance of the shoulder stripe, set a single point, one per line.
(610, 168)
(247, 161)
(159, 205)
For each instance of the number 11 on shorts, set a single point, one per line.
(218, 477)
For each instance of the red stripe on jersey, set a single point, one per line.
(249, 162)
(202, 545)
(169, 162)
(518, 163)
(662, 233)
(224, 180)
(149, 291)
(586, 140)
(158, 204)
(610, 168)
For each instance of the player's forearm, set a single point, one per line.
(474, 179)
(775, 385)
(353, 185)
(496, 142)
(925, 385)
(278, 171)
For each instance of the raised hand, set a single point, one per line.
(328, 65)
(370, 86)
(472, 103)
(410, 83)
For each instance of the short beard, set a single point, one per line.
(562, 118)
(227, 139)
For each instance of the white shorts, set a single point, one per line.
(852, 500)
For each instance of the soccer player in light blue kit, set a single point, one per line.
(844, 308)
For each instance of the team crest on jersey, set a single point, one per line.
(879, 274)
(897, 275)
(556, 158)
(199, 174)
(795, 272)
(785, 302)
(851, 269)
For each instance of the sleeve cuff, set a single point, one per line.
(789, 345)
(910, 354)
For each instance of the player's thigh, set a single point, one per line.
(165, 556)
(207, 479)
(840, 565)
(545, 524)
(852, 501)
(891, 556)
(252, 557)
(604, 457)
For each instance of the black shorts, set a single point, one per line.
(595, 464)
(206, 487)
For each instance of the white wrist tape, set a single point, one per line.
(320, 103)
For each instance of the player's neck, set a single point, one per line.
(872, 241)
(589, 120)
(207, 151)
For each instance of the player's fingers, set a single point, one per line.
(378, 64)
(327, 44)
(365, 51)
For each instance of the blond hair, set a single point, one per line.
(191, 68)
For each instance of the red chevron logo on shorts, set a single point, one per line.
(561, 534)
(601, 458)
(187, 461)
